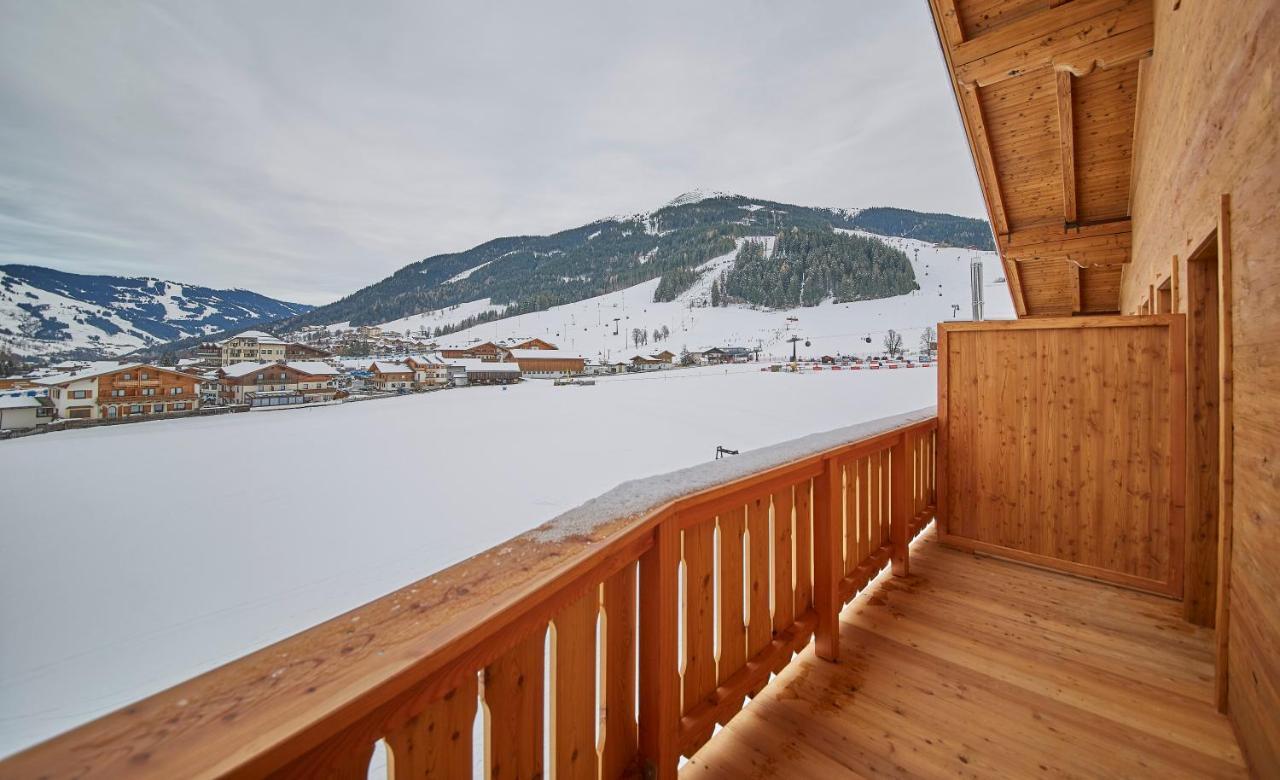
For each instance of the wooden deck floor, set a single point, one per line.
(974, 667)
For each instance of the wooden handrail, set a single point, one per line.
(406, 667)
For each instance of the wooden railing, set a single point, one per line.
(559, 638)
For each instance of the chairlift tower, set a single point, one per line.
(975, 287)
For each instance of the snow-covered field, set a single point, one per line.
(587, 327)
(133, 557)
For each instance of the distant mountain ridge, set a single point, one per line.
(50, 313)
(522, 274)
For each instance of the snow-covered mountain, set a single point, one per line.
(44, 312)
(600, 328)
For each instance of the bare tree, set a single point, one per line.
(893, 343)
(928, 340)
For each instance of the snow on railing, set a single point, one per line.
(674, 596)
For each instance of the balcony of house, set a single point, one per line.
(770, 615)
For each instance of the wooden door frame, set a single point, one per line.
(1225, 454)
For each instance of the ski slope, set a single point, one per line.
(211, 556)
(588, 327)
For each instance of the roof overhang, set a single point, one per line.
(1048, 94)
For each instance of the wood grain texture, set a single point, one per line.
(621, 626)
(573, 689)
(1064, 446)
(976, 667)
(784, 609)
(437, 742)
(513, 695)
(1208, 127)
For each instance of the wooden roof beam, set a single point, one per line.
(1066, 143)
(1063, 38)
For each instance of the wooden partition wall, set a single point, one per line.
(1061, 443)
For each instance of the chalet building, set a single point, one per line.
(428, 370)
(277, 384)
(121, 390)
(23, 412)
(647, 363)
(534, 343)
(546, 362)
(1067, 568)
(250, 346)
(486, 350)
(389, 376)
(305, 352)
(487, 372)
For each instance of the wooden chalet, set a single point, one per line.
(390, 376)
(1066, 568)
(483, 351)
(534, 343)
(546, 362)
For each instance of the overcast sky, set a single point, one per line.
(306, 149)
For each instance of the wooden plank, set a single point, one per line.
(827, 563)
(759, 621)
(513, 696)
(804, 547)
(733, 625)
(1226, 443)
(900, 510)
(1066, 145)
(659, 670)
(1201, 580)
(699, 613)
(437, 742)
(1126, 37)
(621, 626)
(784, 609)
(1078, 678)
(573, 689)
(971, 110)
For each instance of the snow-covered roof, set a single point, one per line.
(189, 362)
(388, 367)
(246, 368)
(431, 359)
(19, 402)
(260, 336)
(313, 367)
(543, 354)
(97, 369)
(488, 366)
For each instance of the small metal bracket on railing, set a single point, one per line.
(722, 451)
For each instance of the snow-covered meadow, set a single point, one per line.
(133, 557)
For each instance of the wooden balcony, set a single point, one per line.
(977, 667)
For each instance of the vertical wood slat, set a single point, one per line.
(437, 742)
(759, 622)
(874, 503)
(513, 695)
(784, 610)
(900, 523)
(659, 671)
(620, 672)
(573, 680)
(850, 516)
(699, 616)
(733, 625)
(827, 564)
(886, 491)
(804, 541)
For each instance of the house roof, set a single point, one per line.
(94, 370)
(543, 354)
(260, 336)
(389, 367)
(245, 368)
(19, 402)
(312, 367)
(488, 366)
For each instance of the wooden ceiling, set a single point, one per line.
(1048, 92)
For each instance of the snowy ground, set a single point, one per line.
(587, 327)
(133, 557)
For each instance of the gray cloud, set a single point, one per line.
(305, 149)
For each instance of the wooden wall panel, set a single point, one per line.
(1207, 127)
(1063, 445)
(1022, 122)
(1104, 108)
